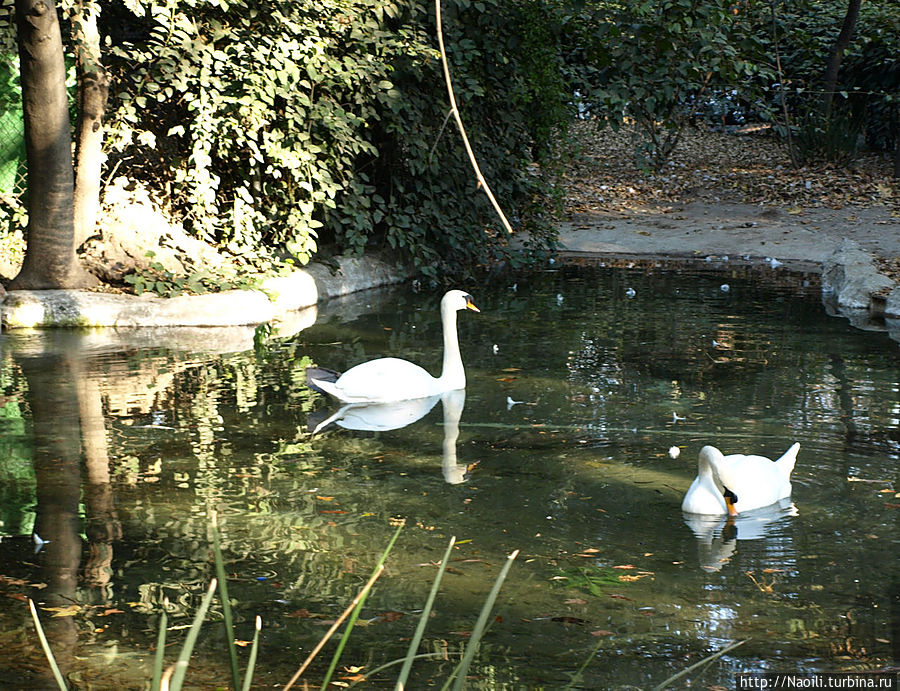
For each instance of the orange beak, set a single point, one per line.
(729, 502)
(471, 305)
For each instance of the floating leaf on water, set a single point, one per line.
(388, 617)
(69, 611)
(602, 632)
(631, 578)
(569, 620)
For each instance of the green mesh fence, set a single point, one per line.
(12, 133)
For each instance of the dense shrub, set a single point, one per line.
(289, 125)
(654, 62)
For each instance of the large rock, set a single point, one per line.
(850, 276)
(134, 234)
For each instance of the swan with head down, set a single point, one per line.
(389, 379)
(737, 482)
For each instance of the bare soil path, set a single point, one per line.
(726, 195)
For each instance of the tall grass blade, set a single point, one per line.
(251, 664)
(334, 627)
(46, 646)
(478, 631)
(155, 685)
(353, 617)
(182, 664)
(688, 670)
(423, 620)
(577, 677)
(226, 603)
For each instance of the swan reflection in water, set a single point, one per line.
(717, 536)
(383, 417)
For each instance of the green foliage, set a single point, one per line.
(165, 283)
(594, 580)
(868, 81)
(833, 137)
(652, 61)
(293, 125)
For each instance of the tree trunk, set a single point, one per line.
(833, 66)
(93, 89)
(50, 260)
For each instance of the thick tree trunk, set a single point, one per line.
(833, 66)
(93, 89)
(50, 260)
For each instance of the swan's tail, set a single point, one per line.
(786, 462)
(314, 375)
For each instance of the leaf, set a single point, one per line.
(69, 611)
(389, 616)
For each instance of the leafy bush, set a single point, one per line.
(652, 62)
(289, 126)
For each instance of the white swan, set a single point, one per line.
(389, 379)
(728, 484)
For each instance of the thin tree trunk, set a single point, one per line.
(897, 142)
(93, 89)
(50, 260)
(833, 66)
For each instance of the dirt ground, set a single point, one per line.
(726, 195)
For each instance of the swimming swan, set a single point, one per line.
(726, 484)
(389, 379)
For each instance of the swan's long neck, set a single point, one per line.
(453, 374)
(705, 468)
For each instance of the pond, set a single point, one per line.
(118, 449)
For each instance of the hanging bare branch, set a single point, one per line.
(462, 130)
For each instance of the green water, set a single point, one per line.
(117, 449)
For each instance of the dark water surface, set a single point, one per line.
(118, 452)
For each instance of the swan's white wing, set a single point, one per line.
(381, 381)
(756, 480)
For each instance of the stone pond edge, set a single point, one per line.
(851, 284)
